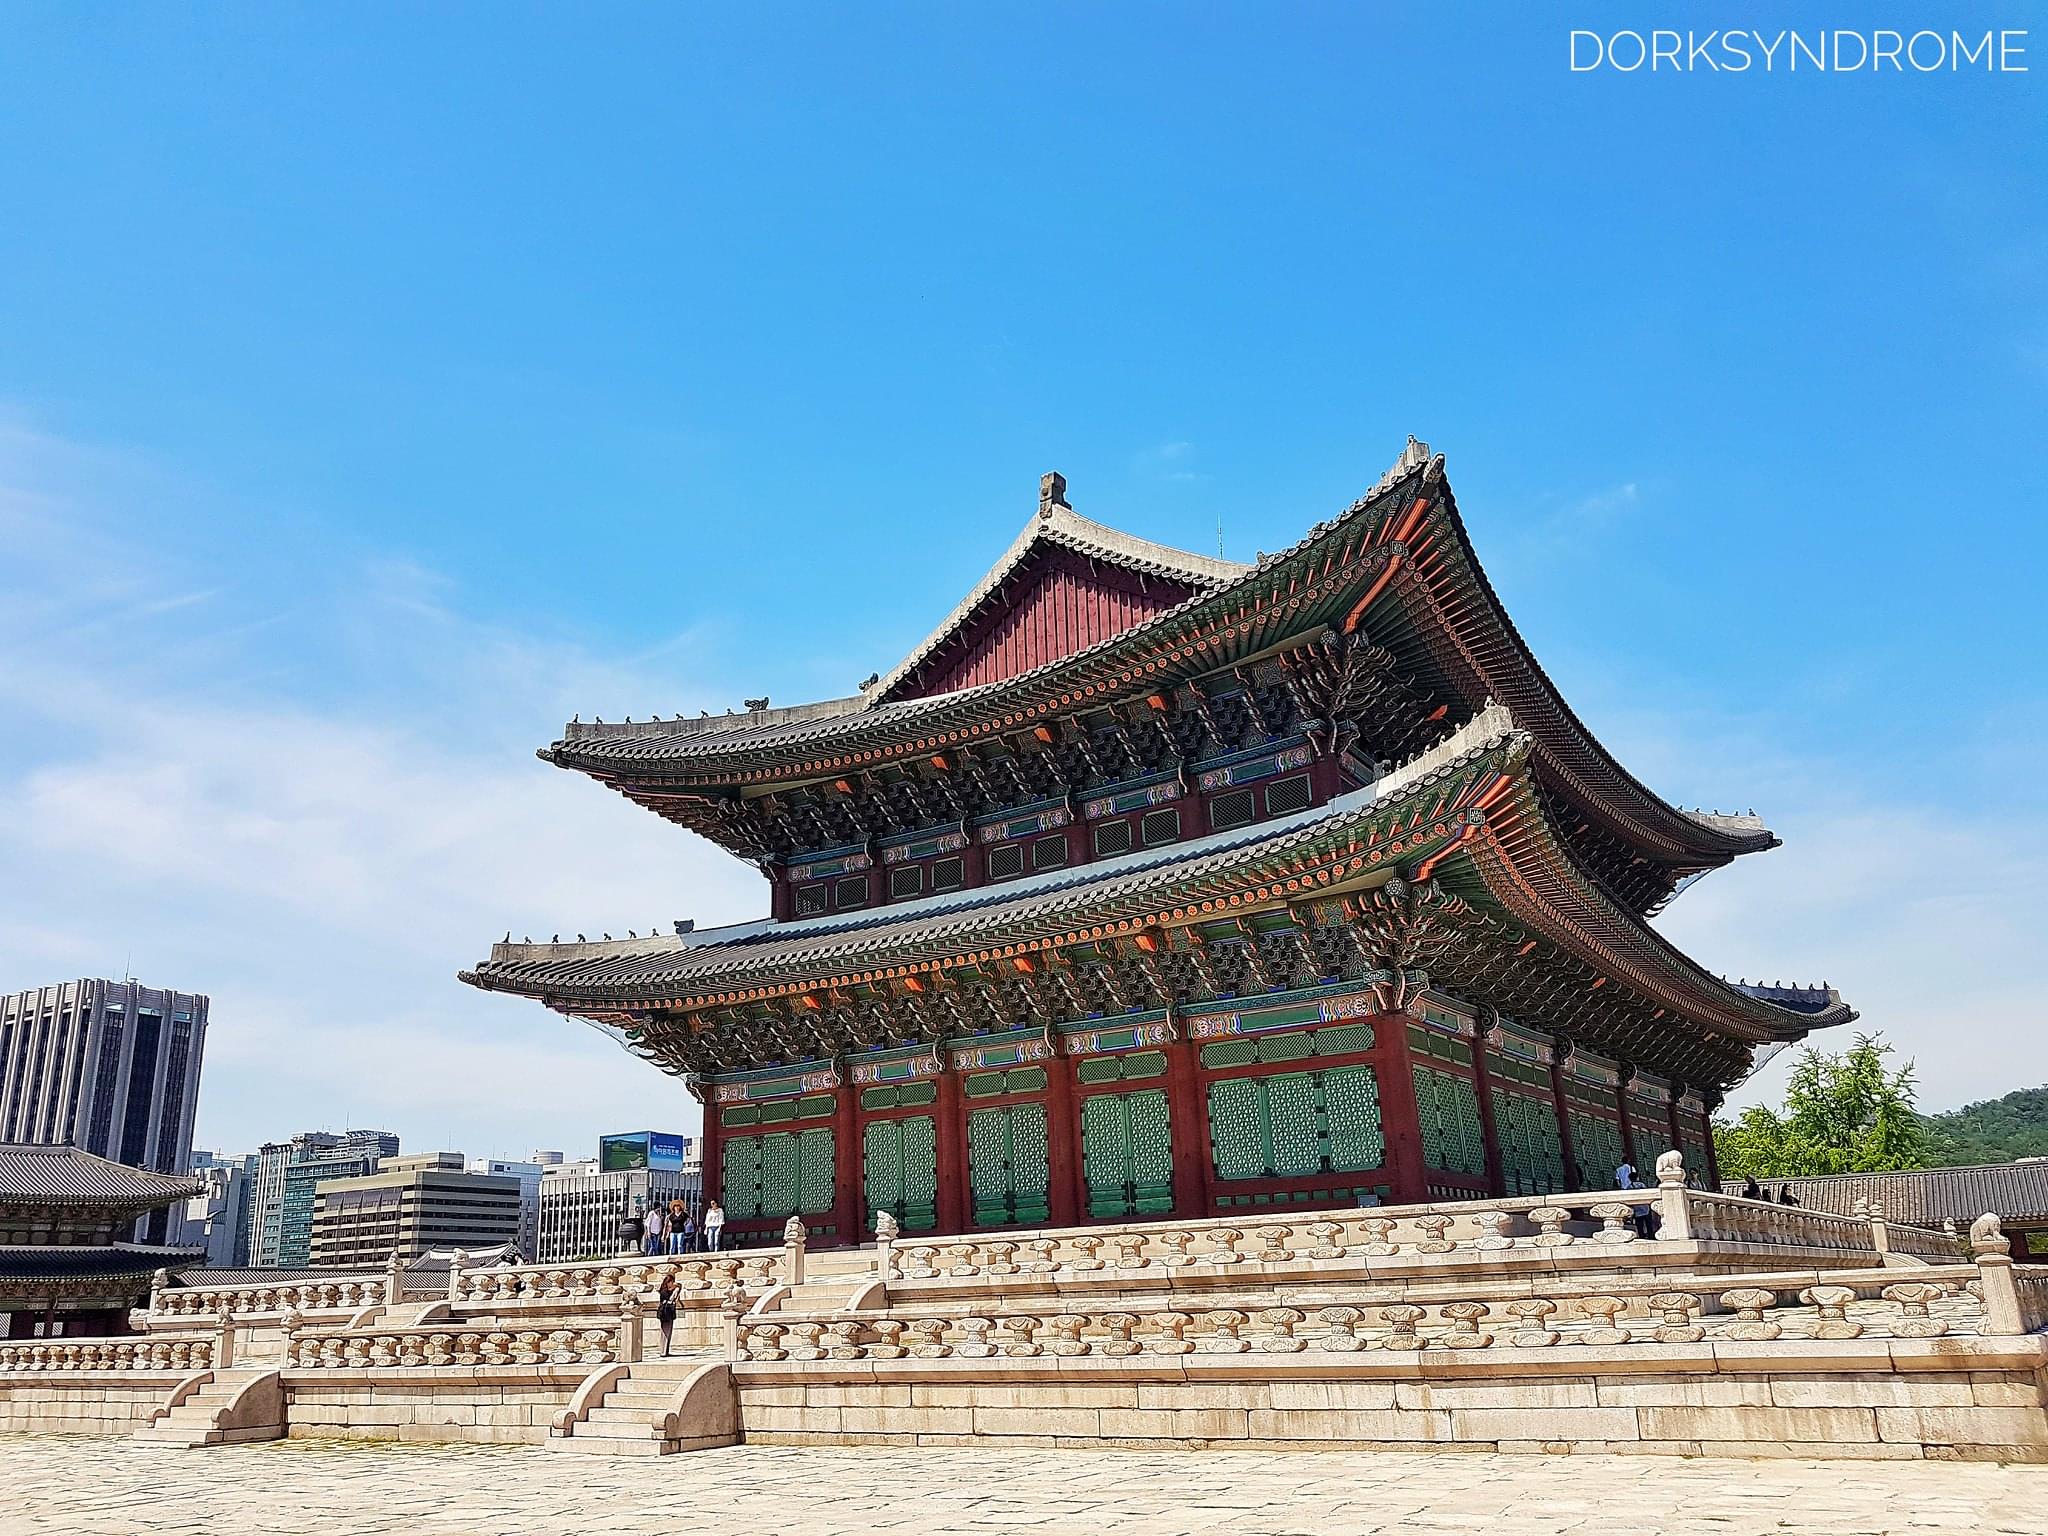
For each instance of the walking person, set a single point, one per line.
(678, 1226)
(686, 1234)
(1751, 1190)
(714, 1227)
(654, 1222)
(665, 1312)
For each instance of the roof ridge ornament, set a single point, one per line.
(1414, 455)
(1052, 492)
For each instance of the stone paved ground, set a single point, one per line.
(114, 1488)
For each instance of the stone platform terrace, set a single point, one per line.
(56, 1487)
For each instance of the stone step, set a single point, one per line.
(625, 1427)
(624, 1420)
(644, 1401)
(594, 1445)
(656, 1375)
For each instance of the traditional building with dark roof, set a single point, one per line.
(64, 1268)
(1155, 883)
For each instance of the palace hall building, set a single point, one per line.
(1157, 884)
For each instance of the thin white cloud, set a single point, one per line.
(322, 871)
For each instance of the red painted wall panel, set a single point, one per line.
(1064, 606)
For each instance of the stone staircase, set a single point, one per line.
(654, 1408)
(229, 1407)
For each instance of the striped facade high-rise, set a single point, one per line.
(109, 1066)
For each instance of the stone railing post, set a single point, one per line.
(1880, 1231)
(394, 1281)
(1992, 1254)
(223, 1339)
(632, 1327)
(1673, 1210)
(159, 1282)
(456, 1266)
(793, 1236)
(885, 1245)
(734, 1308)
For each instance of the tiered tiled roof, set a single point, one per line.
(59, 1175)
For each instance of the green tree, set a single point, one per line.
(1845, 1112)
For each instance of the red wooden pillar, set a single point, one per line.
(1194, 816)
(1628, 1130)
(1063, 1175)
(951, 1142)
(1400, 1119)
(714, 1154)
(1713, 1156)
(1564, 1124)
(849, 1208)
(1190, 1125)
(1671, 1120)
(1482, 1084)
(1067, 1137)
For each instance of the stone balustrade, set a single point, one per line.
(702, 1279)
(1715, 1217)
(137, 1353)
(344, 1293)
(1680, 1314)
(1540, 1222)
(406, 1348)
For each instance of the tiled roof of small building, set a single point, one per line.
(1925, 1197)
(63, 1175)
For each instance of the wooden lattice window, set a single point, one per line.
(1006, 862)
(1112, 837)
(906, 881)
(1234, 809)
(811, 900)
(1049, 852)
(1286, 796)
(1159, 827)
(948, 874)
(850, 892)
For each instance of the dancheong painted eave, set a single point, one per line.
(1452, 861)
(1395, 574)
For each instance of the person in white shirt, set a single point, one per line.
(654, 1224)
(714, 1227)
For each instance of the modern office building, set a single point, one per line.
(581, 1205)
(280, 1231)
(108, 1066)
(528, 1174)
(218, 1216)
(411, 1206)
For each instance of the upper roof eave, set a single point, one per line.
(713, 760)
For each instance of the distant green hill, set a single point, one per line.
(1995, 1131)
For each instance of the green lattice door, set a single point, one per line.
(1295, 1123)
(899, 1169)
(741, 1194)
(1006, 1165)
(1448, 1107)
(791, 1171)
(1127, 1153)
(1596, 1147)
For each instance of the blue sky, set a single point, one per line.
(380, 386)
